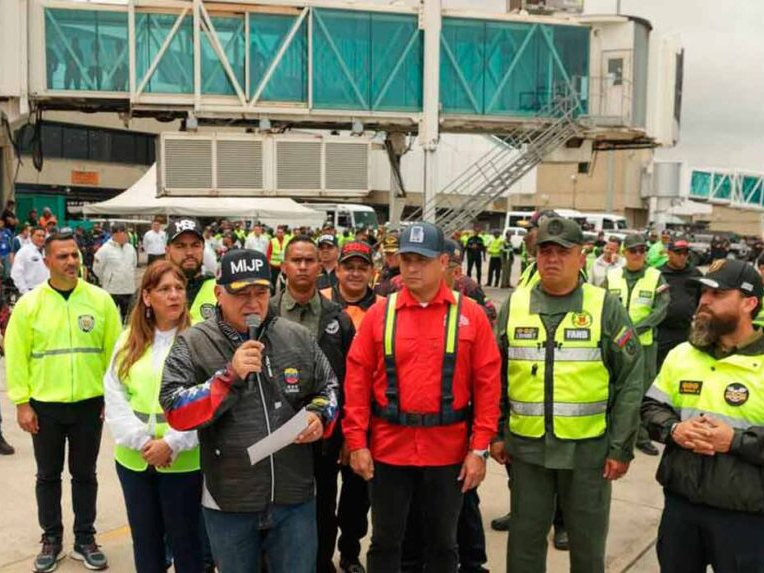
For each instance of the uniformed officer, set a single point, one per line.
(494, 250)
(507, 260)
(707, 406)
(645, 294)
(419, 359)
(185, 248)
(276, 249)
(58, 346)
(573, 371)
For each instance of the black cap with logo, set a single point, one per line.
(241, 268)
(179, 225)
(730, 274)
(327, 240)
(356, 249)
(423, 239)
(561, 231)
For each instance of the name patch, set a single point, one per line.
(578, 334)
(692, 387)
(526, 333)
(646, 294)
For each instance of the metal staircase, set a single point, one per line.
(458, 204)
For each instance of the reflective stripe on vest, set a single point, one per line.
(581, 380)
(143, 383)
(204, 303)
(392, 412)
(694, 383)
(640, 304)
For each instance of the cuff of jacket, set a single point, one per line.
(620, 455)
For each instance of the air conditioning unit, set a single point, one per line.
(231, 164)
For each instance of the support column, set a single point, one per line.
(430, 21)
(610, 193)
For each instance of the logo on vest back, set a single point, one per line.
(292, 379)
(526, 333)
(578, 334)
(582, 319)
(692, 387)
(86, 322)
(207, 310)
(736, 394)
(333, 327)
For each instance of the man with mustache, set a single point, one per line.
(707, 406)
(572, 369)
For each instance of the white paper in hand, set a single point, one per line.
(279, 439)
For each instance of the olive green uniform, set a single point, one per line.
(546, 467)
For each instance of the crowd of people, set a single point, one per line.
(402, 380)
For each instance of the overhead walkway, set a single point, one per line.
(311, 64)
(741, 189)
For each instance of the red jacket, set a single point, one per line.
(420, 347)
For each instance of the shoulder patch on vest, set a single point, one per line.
(692, 387)
(736, 394)
(526, 333)
(578, 334)
(207, 310)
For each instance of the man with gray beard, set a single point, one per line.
(707, 406)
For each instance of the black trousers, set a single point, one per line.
(477, 262)
(123, 304)
(79, 424)
(494, 270)
(693, 536)
(439, 499)
(470, 537)
(352, 514)
(163, 506)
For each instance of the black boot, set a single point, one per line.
(5, 448)
(501, 523)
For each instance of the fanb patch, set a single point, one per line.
(207, 310)
(526, 333)
(292, 379)
(736, 394)
(86, 322)
(692, 387)
(578, 334)
(582, 319)
(646, 294)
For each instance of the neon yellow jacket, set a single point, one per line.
(58, 350)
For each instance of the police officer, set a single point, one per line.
(507, 260)
(475, 247)
(301, 302)
(678, 273)
(645, 294)
(328, 253)
(573, 369)
(185, 248)
(57, 348)
(406, 414)
(276, 249)
(707, 406)
(494, 250)
(390, 266)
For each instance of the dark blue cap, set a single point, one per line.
(423, 239)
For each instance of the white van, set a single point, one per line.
(346, 216)
(522, 218)
(605, 221)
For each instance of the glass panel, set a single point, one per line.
(512, 82)
(723, 186)
(100, 145)
(700, 184)
(52, 141)
(342, 59)
(289, 82)
(123, 147)
(396, 63)
(462, 66)
(751, 189)
(75, 143)
(86, 50)
(175, 72)
(230, 33)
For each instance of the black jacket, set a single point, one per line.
(684, 300)
(295, 374)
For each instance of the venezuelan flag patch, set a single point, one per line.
(623, 337)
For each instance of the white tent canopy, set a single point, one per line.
(141, 199)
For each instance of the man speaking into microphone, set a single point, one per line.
(237, 378)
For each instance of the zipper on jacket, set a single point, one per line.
(268, 428)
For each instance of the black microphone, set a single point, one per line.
(253, 322)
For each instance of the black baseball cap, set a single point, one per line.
(454, 251)
(561, 231)
(241, 268)
(731, 274)
(356, 249)
(179, 225)
(634, 240)
(423, 239)
(327, 240)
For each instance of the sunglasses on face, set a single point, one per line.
(683, 252)
(637, 250)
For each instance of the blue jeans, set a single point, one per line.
(285, 534)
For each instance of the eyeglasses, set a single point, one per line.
(637, 250)
(682, 252)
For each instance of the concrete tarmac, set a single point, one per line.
(635, 512)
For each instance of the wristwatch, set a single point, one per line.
(481, 453)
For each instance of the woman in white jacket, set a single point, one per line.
(157, 466)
